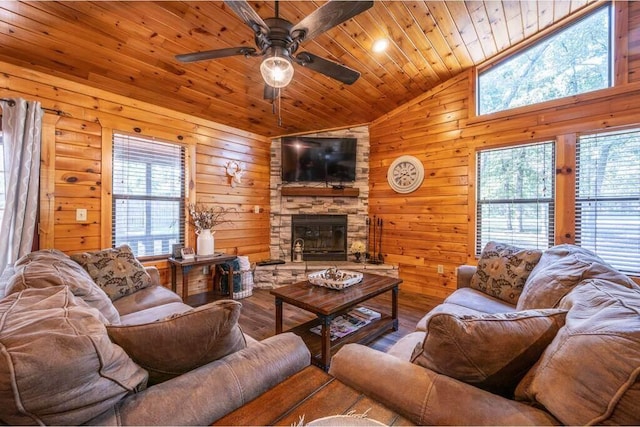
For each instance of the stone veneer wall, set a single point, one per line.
(356, 208)
(272, 276)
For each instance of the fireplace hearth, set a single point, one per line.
(324, 236)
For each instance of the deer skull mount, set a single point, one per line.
(235, 170)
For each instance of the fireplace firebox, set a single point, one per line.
(324, 236)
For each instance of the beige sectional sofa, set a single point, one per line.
(127, 352)
(558, 344)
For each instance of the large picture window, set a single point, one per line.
(515, 196)
(608, 197)
(575, 60)
(148, 194)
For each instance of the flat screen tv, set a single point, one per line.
(309, 159)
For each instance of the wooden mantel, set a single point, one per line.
(321, 191)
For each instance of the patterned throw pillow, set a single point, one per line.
(489, 351)
(503, 270)
(116, 271)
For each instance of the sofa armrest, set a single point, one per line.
(154, 273)
(425, 397)
(464, 273)
(202, 396)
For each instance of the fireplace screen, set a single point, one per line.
(324, 236)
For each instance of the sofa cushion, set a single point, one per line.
(57, 364)
(115, 270)
(448, 308)
(480, 301)
(50, 267)
(182, 342)
(560, 269)
(589, 373)
(154, 313)
(405, 348)
(489, 351)
(503, 270)
(143, 299)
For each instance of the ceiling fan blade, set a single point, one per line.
(270, 92)
(328, 16)
(328, 68)
(248, 15)
(215, 54)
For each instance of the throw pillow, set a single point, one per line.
(224, 277)
(503, 270)
(489, 351)
(182, 342)
(116, 271)
(58, 366)
(562, 268)
(590, 373)
(50, 267)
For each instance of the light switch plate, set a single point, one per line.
(81, 215)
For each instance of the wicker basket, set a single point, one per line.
(335, 279)
(246, 283)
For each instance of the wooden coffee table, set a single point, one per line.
(312, 394)
(328, 303)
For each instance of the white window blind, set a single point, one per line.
(515, 196)
(608, 197)
(148, 194)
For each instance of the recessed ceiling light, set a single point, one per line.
(380, 45)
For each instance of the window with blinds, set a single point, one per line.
(515, 196)
(148, 195)
(608, 197)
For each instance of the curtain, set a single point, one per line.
(21, 135)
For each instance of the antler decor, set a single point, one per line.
(235, 170)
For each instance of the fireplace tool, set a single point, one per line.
(367, 254)
(376, 258)
(380, 257)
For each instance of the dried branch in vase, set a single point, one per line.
(206, 218)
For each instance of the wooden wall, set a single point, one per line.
(435, 224)
(76, 165)
(430, 227)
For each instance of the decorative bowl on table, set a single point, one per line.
(334, 278)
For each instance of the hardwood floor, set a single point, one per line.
(258, 314)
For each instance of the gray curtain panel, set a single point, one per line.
(21, 135)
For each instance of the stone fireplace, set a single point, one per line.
(323, 237)
(307, 204)
(354, 209)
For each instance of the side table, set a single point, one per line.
(186, 265)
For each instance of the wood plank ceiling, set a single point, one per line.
(128, 47)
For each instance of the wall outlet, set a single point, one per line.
(81, 215)
(440, 269)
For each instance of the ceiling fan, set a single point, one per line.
(278, 40)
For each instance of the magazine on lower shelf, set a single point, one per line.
(348, 323)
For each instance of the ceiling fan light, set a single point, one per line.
(276, 71)
(380, 45)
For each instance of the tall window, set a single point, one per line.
(148, 194)
(608, 197)
(575, 60)
(515, 196)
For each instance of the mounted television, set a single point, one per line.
(309, 159)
